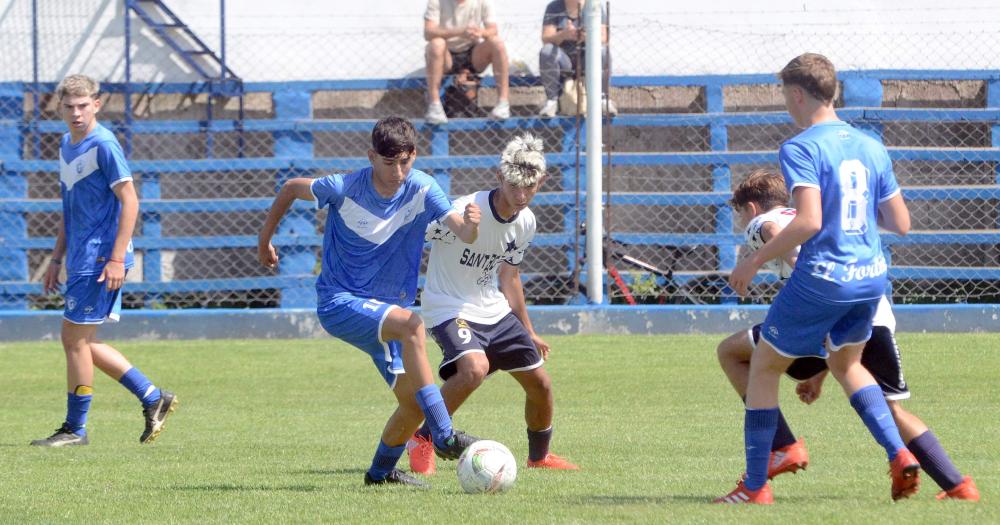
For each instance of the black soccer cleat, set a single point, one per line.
(64, 437)
(156, 414)
(455, 445)
(397, 477)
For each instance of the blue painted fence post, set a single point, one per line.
(13, 263)
(722, 181)
(570, 224)
(292, 145)
(151, 229)
(993, 101)
(440, 148)
(865, 93)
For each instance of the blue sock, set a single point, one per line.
(436, 413)
(76, 412)
(783, 436)
(140, 386)
(759, 425)
(870, 404)
(935, 461)
(385, 460)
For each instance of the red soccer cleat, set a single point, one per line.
(554, 462)
(761, 496)
(421, 452)
(792, 458)
(905, 472)
(966, 490)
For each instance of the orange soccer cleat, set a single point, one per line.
(792, 458)
(905, 472)
(965, 490)
(421, 452)
(554, 462)
(761, 496)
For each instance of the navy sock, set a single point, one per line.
(435, 413)
(424, 431)
(783, 435)
(140, 386)
(758, 432)
(538, 443)
(870, 404)
(935, 461)
(385, 460)
(77, 407)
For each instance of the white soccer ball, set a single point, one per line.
(486, 466)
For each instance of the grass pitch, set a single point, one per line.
(282, 431)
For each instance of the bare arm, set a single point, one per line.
(434, 30)
(114, 271)
(510, 286)
(893, 215)
(50, 282)
(465, 226)
(768, 231)
(298, 188)
(808, 220)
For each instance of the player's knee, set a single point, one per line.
(497, 45)
(436, 47)
(473, 373)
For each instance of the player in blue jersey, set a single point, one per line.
(843, 188)
(99, 212)
(760, 202)
(372, 246)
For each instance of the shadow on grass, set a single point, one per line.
(231, 487)
(624, 499)
(330, 471)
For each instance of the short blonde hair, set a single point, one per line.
(78, 86)
(523, 160)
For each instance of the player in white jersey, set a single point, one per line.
(474, 303)
(763, 190)
(95, 236)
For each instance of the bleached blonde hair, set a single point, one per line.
(78, 86)
(522, 162)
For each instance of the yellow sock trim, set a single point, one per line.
(83, 390)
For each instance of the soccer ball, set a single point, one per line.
(486, 466)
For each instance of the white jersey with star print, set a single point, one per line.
(462, 278)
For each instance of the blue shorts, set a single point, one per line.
(359, 322)
(90, 302)
(798, 325)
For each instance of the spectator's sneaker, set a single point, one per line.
(792, 458)
(905, 472)
(156, 414)
(761, 496)
(421, 452)
(455, 445)
(397, 477)
(554, 462)
(501, 111)
(610, 109)
(965, 490)
(435, 113)
(549, 109)
(64, 437)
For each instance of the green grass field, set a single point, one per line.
(282, 431)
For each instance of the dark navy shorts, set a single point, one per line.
(880, 356)
(506, 344)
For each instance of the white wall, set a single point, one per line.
(314, 39)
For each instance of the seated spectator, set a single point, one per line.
(562, 32)
(462, 35)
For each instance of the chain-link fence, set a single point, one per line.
(698, 107)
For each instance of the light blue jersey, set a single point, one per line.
(88, 171)
(843, 262)
(372, 245)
